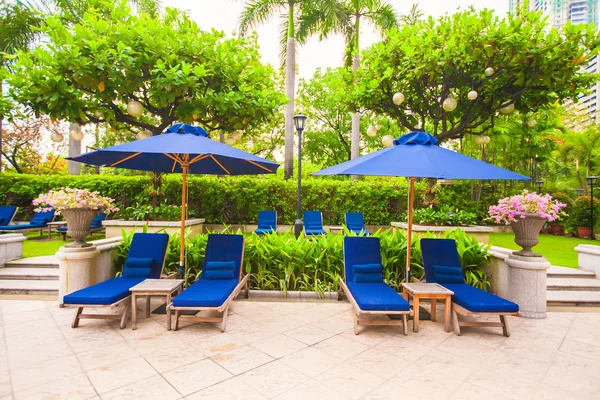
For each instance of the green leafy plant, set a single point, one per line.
(445, 216)
(581, 213)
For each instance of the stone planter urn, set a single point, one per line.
(79, 221)
(526, 233)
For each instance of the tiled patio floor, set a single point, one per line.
(293, 350)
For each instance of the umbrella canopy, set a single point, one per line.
(185, 149)
(415, 155)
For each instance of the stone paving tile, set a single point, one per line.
(292, 350)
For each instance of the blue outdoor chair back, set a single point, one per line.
(41, 218)
(355, 221)
(360, 250)
(225, 248)
(313, 220)
(267, 221)
(440, 253)
(149, 245)
(97, 222)
(7, 213)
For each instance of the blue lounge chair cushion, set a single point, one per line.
(2, 221)
(206, 293)
(105, 293)
(445, 274)
(264, 231)
(315, 232)
(38, 221)
(477, 300)
(219, 265)
(367, 278)
(360, 232)
(139, 267)
(18, 227)
(377, 297)
(367, 268)
(218, 274)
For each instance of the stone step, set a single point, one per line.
(34, 262)
(29, 273)
(573, 298)
(573, 284)
(565, 272)
(11, 286)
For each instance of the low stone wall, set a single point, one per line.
(588, 258)
(481, 233)
(114, 226)
(11, 247)
(498, 271)
(218, 228)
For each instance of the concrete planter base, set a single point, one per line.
(76, 269)
(527, 284)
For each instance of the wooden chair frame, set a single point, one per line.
(223, 309)
(458, 310)
(125, 302)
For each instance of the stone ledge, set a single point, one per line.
(437, 228)
(121, 222)
(278, 294)
(12, 238)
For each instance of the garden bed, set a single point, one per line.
(114, 226)
(481, 233)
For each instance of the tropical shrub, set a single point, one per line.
(446, 216)
(164, 212)
(282, 262)
(581, 213)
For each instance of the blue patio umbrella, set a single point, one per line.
(416, 155)
(181, 149)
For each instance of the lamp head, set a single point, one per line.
(299, 121)
(591, 180)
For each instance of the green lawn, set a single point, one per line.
(37, 245)
(559, 250)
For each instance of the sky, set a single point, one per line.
(223, 15)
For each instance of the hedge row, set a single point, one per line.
(236, 200)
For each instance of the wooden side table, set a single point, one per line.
(336, 229)
(154, 287)
(432, 291)
(55, 224)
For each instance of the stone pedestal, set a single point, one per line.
(528, 284)
(77, 269)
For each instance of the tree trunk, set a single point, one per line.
(429, 192)
(290, 89)
(74, 167)
(355, 146)
(221, 136)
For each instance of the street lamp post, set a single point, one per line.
(590, 180)
(299, 121)
(539, 185)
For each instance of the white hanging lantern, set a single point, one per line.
(57, 137)
(230, 141)
(145, 134)
(371, 131)
(449, 104)
(507, 109)
(388, 140)
(378, 127)
(398, 98)
(75, 133)
(489, 71)
(482, 140)
(237, 135)
(135, 108)
(472, 95)
(98, 114)
(531, 123)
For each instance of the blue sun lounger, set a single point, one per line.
(313, 223)
(7, 213)
(145, 261)
(356, 223)
(364, 286)
(219, 284)
(96, 225)
(267, 222)
(38, 222)
(442, 265)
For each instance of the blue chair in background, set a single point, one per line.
(267, 222)
(442, 265)
(313, 223)
(356, 223)
(7, 213)
(145, 260)
(96, 226)
(364, 286)
(39, 222)
(219, 284)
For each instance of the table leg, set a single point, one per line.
(148, 306)
(447, 313)
(405, 294)
(133, 311)
(168, 311)
(433, 310)
(49, 231)
(416, 313)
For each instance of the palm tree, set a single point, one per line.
(581, 148)
(300, 19)
(382, 16)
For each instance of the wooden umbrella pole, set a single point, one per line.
(184, 169)
(411, 196)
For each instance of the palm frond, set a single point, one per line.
(18, 25)
(383, 17)
(413, 16)
(257, 12)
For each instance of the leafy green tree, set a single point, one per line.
(329, 125)
(300, 19)
(581, 148)
(91, 72)
(508, 64)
